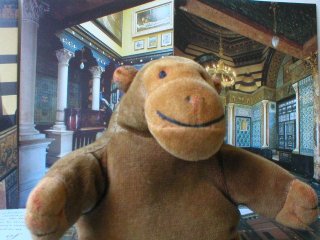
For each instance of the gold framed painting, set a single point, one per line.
(152, 42)
(153, 18)
(138, 45)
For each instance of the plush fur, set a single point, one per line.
(161, 171)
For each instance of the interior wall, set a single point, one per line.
(306, 116)
(128, 40)
(8, 104)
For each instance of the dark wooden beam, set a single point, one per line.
(71, 13)
(241, 26)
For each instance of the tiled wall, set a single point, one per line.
(256, 125)
(8, 103)
(46, 100)
(243, 131)
(306, 116)
(272, 125)
(242, 119)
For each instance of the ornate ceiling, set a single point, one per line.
(246, 28)
(296, 22)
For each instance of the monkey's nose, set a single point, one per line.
(196, 101)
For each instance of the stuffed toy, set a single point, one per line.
(162, 171)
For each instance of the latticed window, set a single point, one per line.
(286, 124)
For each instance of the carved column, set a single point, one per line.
(231, 124)
(265, 142)
(297, 148)
(62, 143)
(31, 12)
(96, 72)
(63, 56)
(313, 62)
(32, 144)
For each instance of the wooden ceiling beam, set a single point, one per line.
(242, 26)
(310, 47)
(74, 12)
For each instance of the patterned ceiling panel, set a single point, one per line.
(296, 22)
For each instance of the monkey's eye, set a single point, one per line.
(162, 74)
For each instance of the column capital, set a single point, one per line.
(96, 71)
(230, 106)
(265, 102)
(295, 87)
(64, 55)
(32, 10)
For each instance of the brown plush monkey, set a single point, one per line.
(161, 171)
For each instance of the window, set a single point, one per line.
(286, 124)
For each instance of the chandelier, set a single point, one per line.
(221, 70)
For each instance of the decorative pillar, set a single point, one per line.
(32, 144)
(231, 124)
(62, 143)
(31, 12)
(265, 143)
(63, 56)
(297, 148)
(96, 72)
(313, 62)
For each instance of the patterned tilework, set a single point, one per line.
(8, 151)
(46, 100)
(8, 13)
(256, 125)
(74, 95)
(306, 116)
(243, 131)
(8, 168)
(272, 125)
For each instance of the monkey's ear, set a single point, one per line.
(217, 84)
(123, 77)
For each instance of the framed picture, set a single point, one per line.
(138, 45)
(152, 42)
(166, 39)
(153, 18)
(111, 25)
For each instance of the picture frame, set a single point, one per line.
(152, 42)
(166, 39)
(153, 18)
(111, 25)
(138, 45)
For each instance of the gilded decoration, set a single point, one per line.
(8, 151)
(299, 70)
(274, 69)
(263, 93)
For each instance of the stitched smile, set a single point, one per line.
(201, 125)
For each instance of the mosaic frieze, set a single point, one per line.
(8, 151)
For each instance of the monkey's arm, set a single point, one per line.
(72, 187)
(267, 188)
